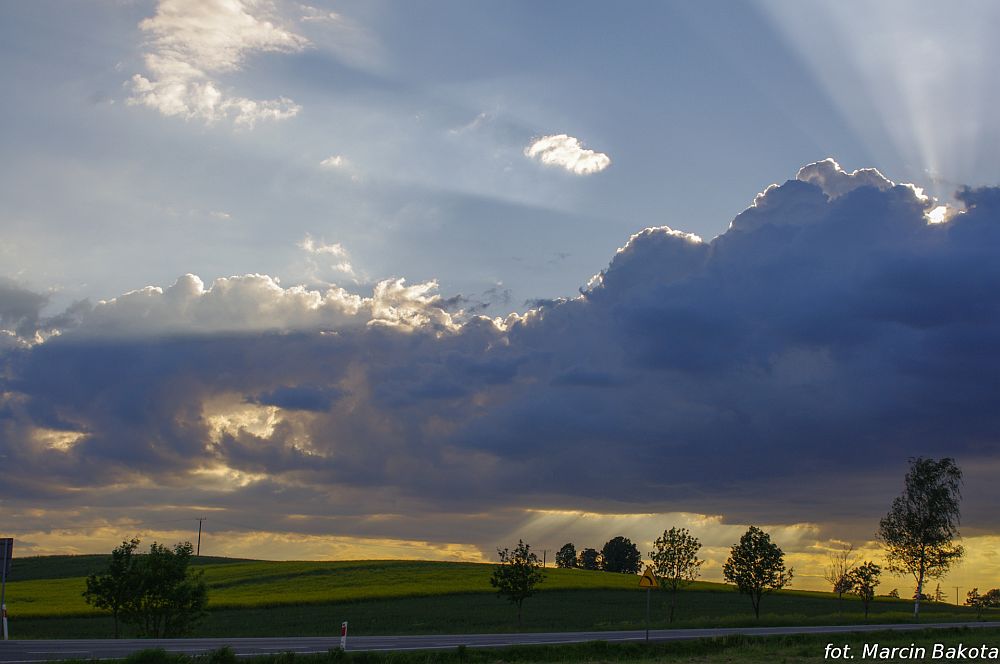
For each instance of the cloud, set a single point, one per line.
(299, 397)
(19, 307)
(310, 13)
(258, 303)
(780, 373)
(192, 42)
(835, 181)
(311, 246)
(335, 252)
(334, 162)
(565, 151)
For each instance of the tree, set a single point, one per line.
(842, 561)
(153, 591)
(517, 575)
(989, 600)
(675, 561)
(590, 559)
(566, 556)
(621, 555)
(756, 566)
(171, 599)
(919, 530)
(863, 581)
(974, 599)
(894, 593)
(114, 590)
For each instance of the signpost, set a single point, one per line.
(6, 553)
(648, 581)
(343, 635)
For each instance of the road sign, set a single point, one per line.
(648, 579)
(6, 553)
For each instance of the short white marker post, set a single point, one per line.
(343, 635)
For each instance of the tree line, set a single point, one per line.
(618, 554)
(918, 535)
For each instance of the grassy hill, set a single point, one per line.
(56, 583)
(266, 598)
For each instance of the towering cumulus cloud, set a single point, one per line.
(780, 373)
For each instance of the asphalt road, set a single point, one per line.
(21, 652)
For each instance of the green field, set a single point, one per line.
(260, 598)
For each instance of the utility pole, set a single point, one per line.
(545, 553)
(200, 519)
(957, 603)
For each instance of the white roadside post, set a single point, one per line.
(343, 635)
(6, 551)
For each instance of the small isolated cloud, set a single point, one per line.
(567, 152)
(310, 13)
(340, 164)
(335, 251)
(474, 124)
(334, 162)
(194, 41)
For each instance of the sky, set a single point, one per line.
(416, 280)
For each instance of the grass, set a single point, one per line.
(791, 649)
(257, 598)
(249, 584)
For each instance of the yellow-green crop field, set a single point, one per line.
(253, 584)
(260, 598)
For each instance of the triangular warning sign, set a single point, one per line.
(648, 579)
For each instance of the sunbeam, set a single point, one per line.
(911, 79)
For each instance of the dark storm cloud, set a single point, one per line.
(299, 397)
(828, 335)
(19, 307)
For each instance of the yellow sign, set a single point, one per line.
(648, 579)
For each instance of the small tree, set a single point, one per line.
(919, 530)
(864, 581)
(171, 599)
(842, 561)
(566, 556)
(590, 559)
(756, 566)
(517, 575)
(153, 591)
(974, 599)
(675, 561)
(621, 555)
(115, 590)
(894, 593)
